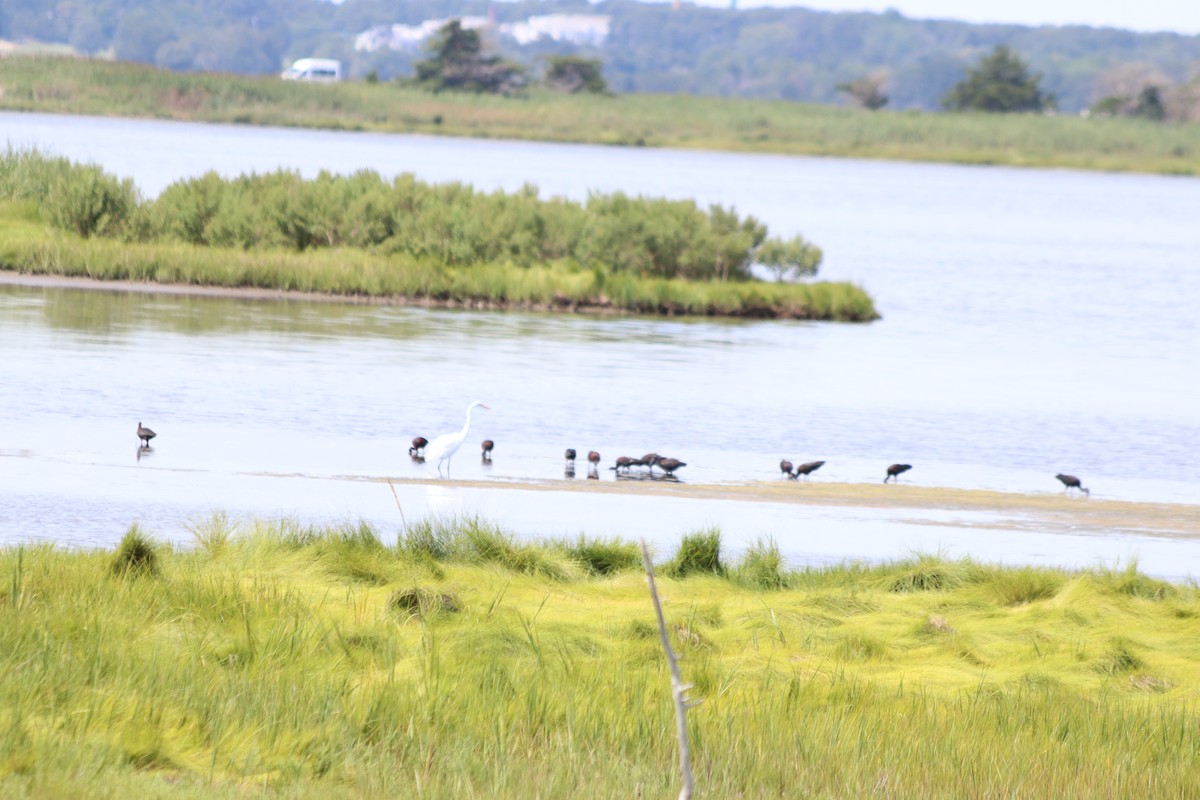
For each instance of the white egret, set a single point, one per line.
(445, 446)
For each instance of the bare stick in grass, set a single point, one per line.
(678, 687)
(398, 506)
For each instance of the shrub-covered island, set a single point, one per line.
(405, 239)
(278, 659)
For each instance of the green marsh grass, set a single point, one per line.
(29, 247)
(454, 247)
(270, 666)
(80, 86)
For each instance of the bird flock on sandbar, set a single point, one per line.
(443, 448)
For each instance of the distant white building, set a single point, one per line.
(586, 29)
(575, 28)
(409, 37)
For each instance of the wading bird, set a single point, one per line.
(1071, 482)
(785, 467)
(570, 455)
(624, 463)
(809, 467)
(894, 471)
(594, 459)
(487, 446)
(418, 444)
(647, 460)
(445, 446)
(145, 434)
(669, 465)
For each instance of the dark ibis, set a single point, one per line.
(487, 446)
(648, 460)
(669, 465)
(1071, 482)
(809, 467)
(570, 454)
(594, 459)
(785, 467)
(624, 463)
(418, 444)
(895, 470)
(145, 434)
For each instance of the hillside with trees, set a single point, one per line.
(780, 53)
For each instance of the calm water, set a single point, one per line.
(1034, 322)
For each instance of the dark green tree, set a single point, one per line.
(458, 63)
(999, 83)
(574, 74)
(1150, 105)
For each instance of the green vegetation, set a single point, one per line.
(362, 235)
(458, 661)
(575, 74)
(93, 87)
(999, 83)
(457, 63)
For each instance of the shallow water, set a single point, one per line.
(1034, 322)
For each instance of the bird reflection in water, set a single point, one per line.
(144, 451)
(666, 477)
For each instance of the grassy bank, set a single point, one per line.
(95, 87)
(28, 245)
(454, 661)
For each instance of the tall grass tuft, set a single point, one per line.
(699, 554)
(1026, 585)
(214, 533)
(603, 556)
(762, 567)
(136, 555)
(485, 543)
(926, 573)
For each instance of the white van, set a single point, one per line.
(322, 70)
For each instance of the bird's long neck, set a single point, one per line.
(467, 424)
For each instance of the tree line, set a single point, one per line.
(785, 53)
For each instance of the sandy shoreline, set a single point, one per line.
(1056, 510)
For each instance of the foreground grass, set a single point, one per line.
(29, 246)
(459, 662)
(77, 86)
